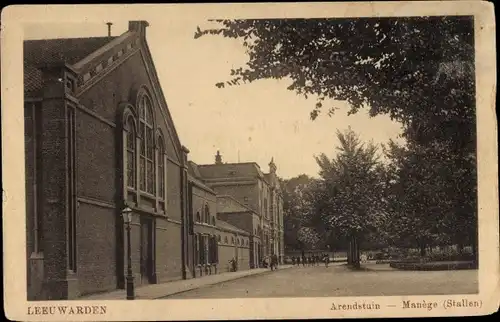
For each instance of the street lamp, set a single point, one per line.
(127, 218)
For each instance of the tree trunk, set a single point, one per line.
(349, 253)
(422, 250)
(356, 263)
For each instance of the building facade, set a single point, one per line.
(258, 191)
(238, 215)
(99, 138)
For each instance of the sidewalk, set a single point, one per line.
(156, 291)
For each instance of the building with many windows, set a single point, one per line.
(99, 138)
(257, 191)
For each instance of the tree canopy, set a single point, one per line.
(417, 70)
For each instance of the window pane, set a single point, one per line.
(143, 173)
(150, 177)
(149, 116)
(161, 183)
(149, 143)
(130, 138)
(130, 169)
(143, 144)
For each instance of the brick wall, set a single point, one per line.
(226, 253)
(96, 158)
(120, 85)
(173, 186)
(240, 220)
(172, 252)
(247, 195)
(96, 244)
(168, 251)
(229, 250)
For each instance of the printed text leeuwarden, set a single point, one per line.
(67, 310)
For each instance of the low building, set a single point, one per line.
(233, 212)
(256, 190)
(234, 244)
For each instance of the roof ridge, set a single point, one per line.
(234, 199)
(232, 226)
(101, 50)
(68, 38)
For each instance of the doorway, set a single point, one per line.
(146, 250)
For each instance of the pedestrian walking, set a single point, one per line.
(293, 260)
(298, 261)
(327, 260)
(274, 262)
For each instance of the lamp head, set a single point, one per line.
(127, 215)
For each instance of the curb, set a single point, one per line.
(211, 284)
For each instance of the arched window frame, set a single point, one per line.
(198, 217)
(213, 220)
(206, 217)
(130, 152)
(147, 176)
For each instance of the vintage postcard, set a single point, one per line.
(249, 161)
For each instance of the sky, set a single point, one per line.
(247, 123)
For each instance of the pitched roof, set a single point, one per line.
(228, 204)
(225, 170)
(193, 169)
(48, 51)
(200, 184)
(227, 226)
(68, 50)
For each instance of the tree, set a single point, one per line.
(296, 207)
(417, 70)
(348, 197)
(427, 197)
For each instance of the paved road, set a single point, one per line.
(338, 280)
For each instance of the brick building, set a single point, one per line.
(98, 138)
(233, 212)
(257, 191)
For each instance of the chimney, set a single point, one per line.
(138, 26)
(109, 28)
(218, 158)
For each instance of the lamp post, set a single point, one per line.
(127, 218)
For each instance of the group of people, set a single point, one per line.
(271, 262)
(312, 260)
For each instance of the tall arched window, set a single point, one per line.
(207, 215)
(130, 126)
(147, 147)
(161, 168)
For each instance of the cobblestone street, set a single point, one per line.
(338, 280)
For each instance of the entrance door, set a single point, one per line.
(146, 250)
